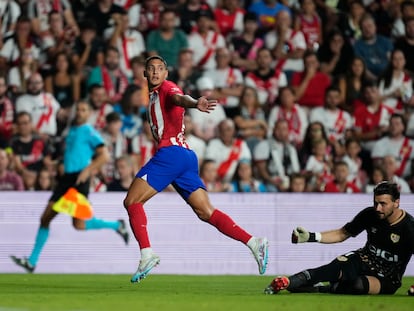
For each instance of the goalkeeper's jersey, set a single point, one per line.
(389, 246)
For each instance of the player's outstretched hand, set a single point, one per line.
(206, 105)
(300, 235)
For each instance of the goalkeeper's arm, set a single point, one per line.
(301, 235)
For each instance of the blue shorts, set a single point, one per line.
(173, 165)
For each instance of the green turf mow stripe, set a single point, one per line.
(21, 292)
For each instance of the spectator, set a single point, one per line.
(244, 181)
(227, 150)
(98, 100)
(372, 118)
(336, 121)
(246, 45)
(125, 170)
(196, 143)
(65, 85)
(287, 45)
(357, 175)
(250, 118)
(87, 50)
(319, 166)
(185, 75)
(30, 151)
(406, 45)
(390, 167)
(377, 175)
(115, 142)
(208, 174)
(6, 113)
(373, 48)
(229, 18)
(314, 132)
(397, 144)
(133, 7)
(41, 105)
(310, 85)
(9, 180)
(130, 108)
(205, 124)
(101, 11)
(297, 183)
(127, 41)
(309, 23)
(38, 12)
(14, 45)
(228, 82)
(351, 84)
(190, 10)
(10, 13)
(56, 39)
(266, 11)
(341, 182)
(18, 74)
(265, 79)
(110, 76)
(44, 181)
(143, 144)
(406, 12)
(276, 158)
(167, 40)
(296, 117)
(349, 22)
(149, 16)
(335, 55)
(395, 85)
(204, 42)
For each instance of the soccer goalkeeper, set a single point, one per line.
(376, 268)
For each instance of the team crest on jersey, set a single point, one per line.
(395, 237)
(342, 258)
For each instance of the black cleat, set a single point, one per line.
(122, 231)
(24, 263)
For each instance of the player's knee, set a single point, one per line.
(128, 201)
(78, 225)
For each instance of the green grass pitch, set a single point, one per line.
(19, 292)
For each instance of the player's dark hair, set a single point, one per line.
(387, 187)
(155, 57)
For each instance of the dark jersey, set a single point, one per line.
(389, 246)
(31, 153)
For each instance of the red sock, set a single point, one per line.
(138, 221)
(227, 226)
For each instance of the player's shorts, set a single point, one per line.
(173, 165)
(353, 265)
(67, 181)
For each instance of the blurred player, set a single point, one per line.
(84, 152)
(174, 163)
(377, 268)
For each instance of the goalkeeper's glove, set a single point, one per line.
(301, 235)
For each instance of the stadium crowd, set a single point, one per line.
(315, 96)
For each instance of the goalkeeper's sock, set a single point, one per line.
(227, 226)
(41, 238)
(327, 273)
(138, 221)
(96, 223)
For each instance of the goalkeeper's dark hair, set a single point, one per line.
(386, 187)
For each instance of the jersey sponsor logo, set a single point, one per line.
(388, 256)
(395, 237)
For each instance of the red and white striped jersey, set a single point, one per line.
(166, 118)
